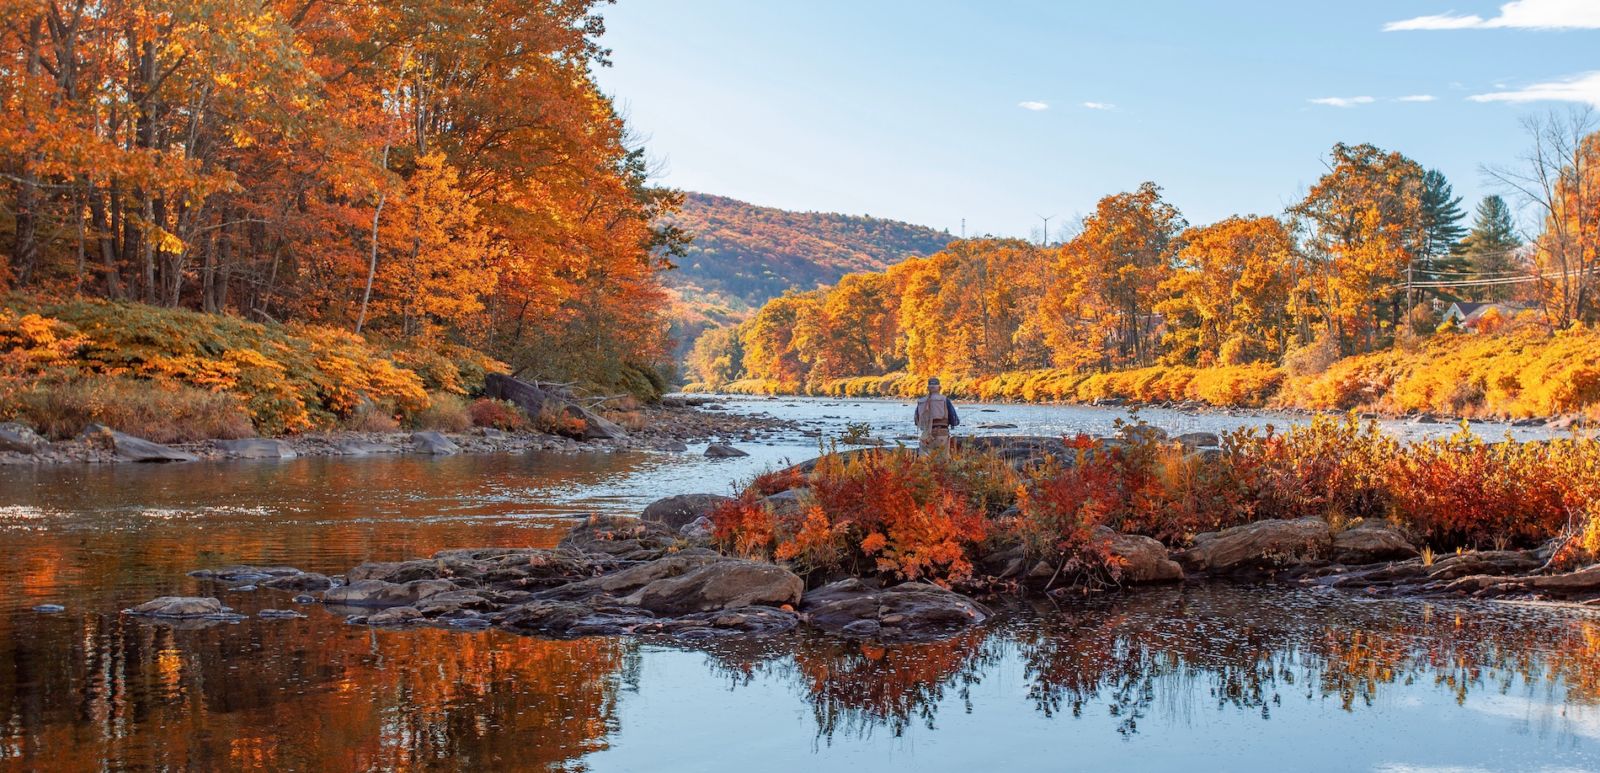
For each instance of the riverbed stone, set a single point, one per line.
(359, 447)
(1260, 546)
(433, 443)
(301, 581)
(620, 537)
(255, 448)
(378, 593)
(20, 438)
(179, 606)
(1371, 542)
(787, 503)
(911, 610)
(1199, 439)
(723, 451)
(244, 573)
(681, 510)
(394, 616)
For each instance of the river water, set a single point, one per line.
(1192, 679)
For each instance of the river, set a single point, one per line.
(1199, 678)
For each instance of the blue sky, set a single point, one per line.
(997, 112)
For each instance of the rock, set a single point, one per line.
(378, 593)
(995, 425)
(255, 448)
(279, 614)
(679, 511)
(1148, 432)
(1563, 422)
(701, 530)
(20, 438)
(242, 589)
(619, 537)
(1585, 580)
(49, 609)
(394, 616)
(672, 446)
(304, 581)
(1263, 545)
(358, 447)
(1425, 418)
(788, 502)
(910, 610)
(719, 585)
(244, 573)
(593, 426)
(132, 449)
(1199, 439)
(723, 451)
(435, 443)
(304, 598)
(1487, 562)
(179, 606)
(1144, 559)
(1370, 543)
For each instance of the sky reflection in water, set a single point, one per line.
(1199, 679)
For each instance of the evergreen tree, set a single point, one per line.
(1441, 220)
(1490, 248)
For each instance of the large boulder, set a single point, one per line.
(1144, 560)
(910, 610)
(723, 451)
(593, 426)
(255, 448)
(1199, 439)
(179, 606)
(787, 503)
(299, 582)
(1260, 546)
(20, 438)
(679, 511)
(378, 593)
(534, 399)
(720, 585)
(131, 449)
(1371, 542)
(434, 443)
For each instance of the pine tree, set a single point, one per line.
(1441, 220)
(1490, 248)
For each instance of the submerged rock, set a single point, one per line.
(179, 606)
(244, 573)
(279, 614)
(49, 609)
(255, 448)
(378, 593)
(1263, 545)
(910, 610)
(723, 451)
(679, 511)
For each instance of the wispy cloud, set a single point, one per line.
(1342, 101)
(1518, 14)
(1099, 105)
(1034, 106)
(1416, 98)
(1578, 88)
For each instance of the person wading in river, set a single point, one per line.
(935, 416)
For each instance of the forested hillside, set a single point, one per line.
(743, 254)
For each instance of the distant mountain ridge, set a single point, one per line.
(744, 254)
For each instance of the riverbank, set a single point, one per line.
(668, 427)
(1524, 376)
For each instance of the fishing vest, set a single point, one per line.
(936, 412)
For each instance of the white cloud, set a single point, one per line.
(1099, 105)
(1034, 106)
(1416, 98)
(1578, 88)
(1517, 14)
(1342, 101)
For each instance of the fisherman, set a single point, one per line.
(935, 416)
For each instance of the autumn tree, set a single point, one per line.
(1101, 308)
(1227, 302)
(1365, 226)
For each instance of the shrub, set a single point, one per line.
(164, 413)
(499, 414)
(445, 412)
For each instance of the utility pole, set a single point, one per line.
(1044, 241)
(963, 228)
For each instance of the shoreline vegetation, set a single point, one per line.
(1527, 377)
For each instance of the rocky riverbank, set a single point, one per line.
(669, 426)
